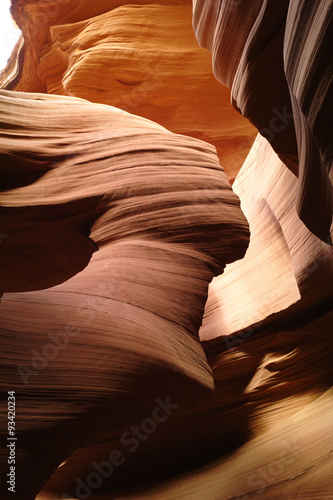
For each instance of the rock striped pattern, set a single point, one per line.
(140, 56)
(273, 57)
(149, 218)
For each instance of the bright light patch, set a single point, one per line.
(9, 34)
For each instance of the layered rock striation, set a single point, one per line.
(151, 218)
(273, 57)
(140, 56)
(114, 230)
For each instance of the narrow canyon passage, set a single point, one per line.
(166, 252)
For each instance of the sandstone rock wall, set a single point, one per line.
(141, 57)
(273, 57)
(92, 187)
(126, 224)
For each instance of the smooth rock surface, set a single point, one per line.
(151, 218)
(276, 64)
(129, 242)
(140, 56)
(271, 397)
(285, 264)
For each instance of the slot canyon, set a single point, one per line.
(166, 250)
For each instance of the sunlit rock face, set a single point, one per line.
(128, 226)
(280, 78)
(284, 183)
(285, 264)
(139, 56)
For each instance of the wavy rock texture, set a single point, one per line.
(293, 462)
(129, 243)
(280, 78)
(263, 392)
(162, 215)
(141, 57)
(285, 264)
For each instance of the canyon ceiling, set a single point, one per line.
(166, 250)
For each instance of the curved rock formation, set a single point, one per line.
(280, 78)
(162, 215)
(126, 224)
(285, 265)
(124, 55)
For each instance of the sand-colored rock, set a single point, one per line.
(140, 56)
(280, 78)
(129, 242)
(294, 459)
(285, 264)
(271, 402)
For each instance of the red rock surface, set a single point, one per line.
(165, 221)
(140, 56)
(158, 212)
(279, 417)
